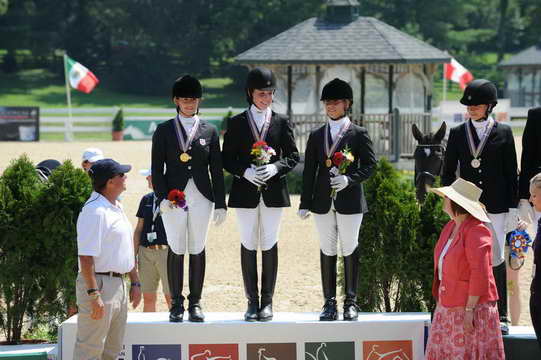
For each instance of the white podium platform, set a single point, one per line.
(290, 336)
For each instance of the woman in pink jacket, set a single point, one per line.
(466, 321)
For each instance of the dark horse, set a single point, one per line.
(428, 157)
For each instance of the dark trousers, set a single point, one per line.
(535, 313)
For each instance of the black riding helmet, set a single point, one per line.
(479, 92)
(187, 87)
(261, 79)
(337, 89)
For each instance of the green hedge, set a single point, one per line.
(38, 248)
(396, 240)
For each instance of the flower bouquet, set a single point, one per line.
(341, 161)
(262, 154)
(176, 199)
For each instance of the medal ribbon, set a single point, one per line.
(259, 136)
(184, 145)
(339, 136)
(476, 151)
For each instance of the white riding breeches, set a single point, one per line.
(333, 228)
(497, 228)
(189, 229)
(259, 227)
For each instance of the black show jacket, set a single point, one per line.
(206, 158)
(238, 142)
(316, 189)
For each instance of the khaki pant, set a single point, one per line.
(101, 339)
(152, 269)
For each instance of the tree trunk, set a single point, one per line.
(504, 6)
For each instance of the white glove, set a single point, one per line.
(339, 183)
(511, 220)
(265, 172)
(219, 216)
(251, 176)
(303, 214)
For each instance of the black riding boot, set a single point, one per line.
(268, 282)
(351, 277)
(500, 277)
(248, 259)
(328, 281)
(197, 277)
(175, 276)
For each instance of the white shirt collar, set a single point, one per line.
(480, 124)
(187, 120)
(96, 196)
(337, 124)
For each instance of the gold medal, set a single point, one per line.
(328, 162)
(184, 157)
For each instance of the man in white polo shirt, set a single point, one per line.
(105, 249)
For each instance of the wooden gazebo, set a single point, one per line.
(391, 74)
(523, 78)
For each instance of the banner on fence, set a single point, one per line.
(18, 123)
(142, 129)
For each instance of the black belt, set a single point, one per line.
(110, 273)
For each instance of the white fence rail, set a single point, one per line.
(83, 120)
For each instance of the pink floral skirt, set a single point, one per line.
(448, 341)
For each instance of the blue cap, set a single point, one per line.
(103, 170)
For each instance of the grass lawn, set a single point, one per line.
(39, 87)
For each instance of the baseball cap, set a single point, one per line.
(145, 172)
(105, 169)
(92, 155)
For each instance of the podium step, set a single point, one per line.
(291, 336)
(521, 344)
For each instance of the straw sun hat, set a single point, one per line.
(465, 194)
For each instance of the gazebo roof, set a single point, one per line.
(530, 56)
(364, 40)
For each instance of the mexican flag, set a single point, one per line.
(80, 77)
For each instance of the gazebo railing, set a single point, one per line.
(390, 133)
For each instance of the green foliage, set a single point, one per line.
(396, 245)
(38, 244)
(118, 121)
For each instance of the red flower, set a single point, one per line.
(338, 158)
(177, 197)
(259, 144)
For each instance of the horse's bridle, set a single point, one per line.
(426, 173)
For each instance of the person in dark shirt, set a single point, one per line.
(150, 244)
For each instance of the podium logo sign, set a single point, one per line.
(387, 350)
(151, 352)
(213, 352)
(329, 351)
(285, 351)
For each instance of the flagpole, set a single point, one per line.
(68, 134)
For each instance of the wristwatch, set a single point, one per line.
(93, 293)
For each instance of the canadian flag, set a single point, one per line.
(457, 73)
